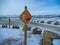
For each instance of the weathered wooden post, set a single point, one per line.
(25, 34)
(25, 17)
(9, 22)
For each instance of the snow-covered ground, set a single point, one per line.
(56, 42)
(16, 36)
(53, 20)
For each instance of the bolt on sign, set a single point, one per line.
(25, 16)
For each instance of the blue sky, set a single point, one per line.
(35, 7)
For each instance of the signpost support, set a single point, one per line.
(25, 35)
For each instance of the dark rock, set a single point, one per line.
(4, 26)
(37, 31)
(42, 21)
(49, 22)
(15, 27)
(56, 23)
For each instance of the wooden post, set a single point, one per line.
(9, 22)
(25, 34)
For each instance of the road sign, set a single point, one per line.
(25, 16)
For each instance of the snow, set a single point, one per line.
(46, 20)
(34, 40)
(6, 32)
(56, 42)
(9, 33)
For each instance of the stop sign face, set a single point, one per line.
(25, 17)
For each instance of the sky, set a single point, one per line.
(35, 7)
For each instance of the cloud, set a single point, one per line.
(16, 7)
